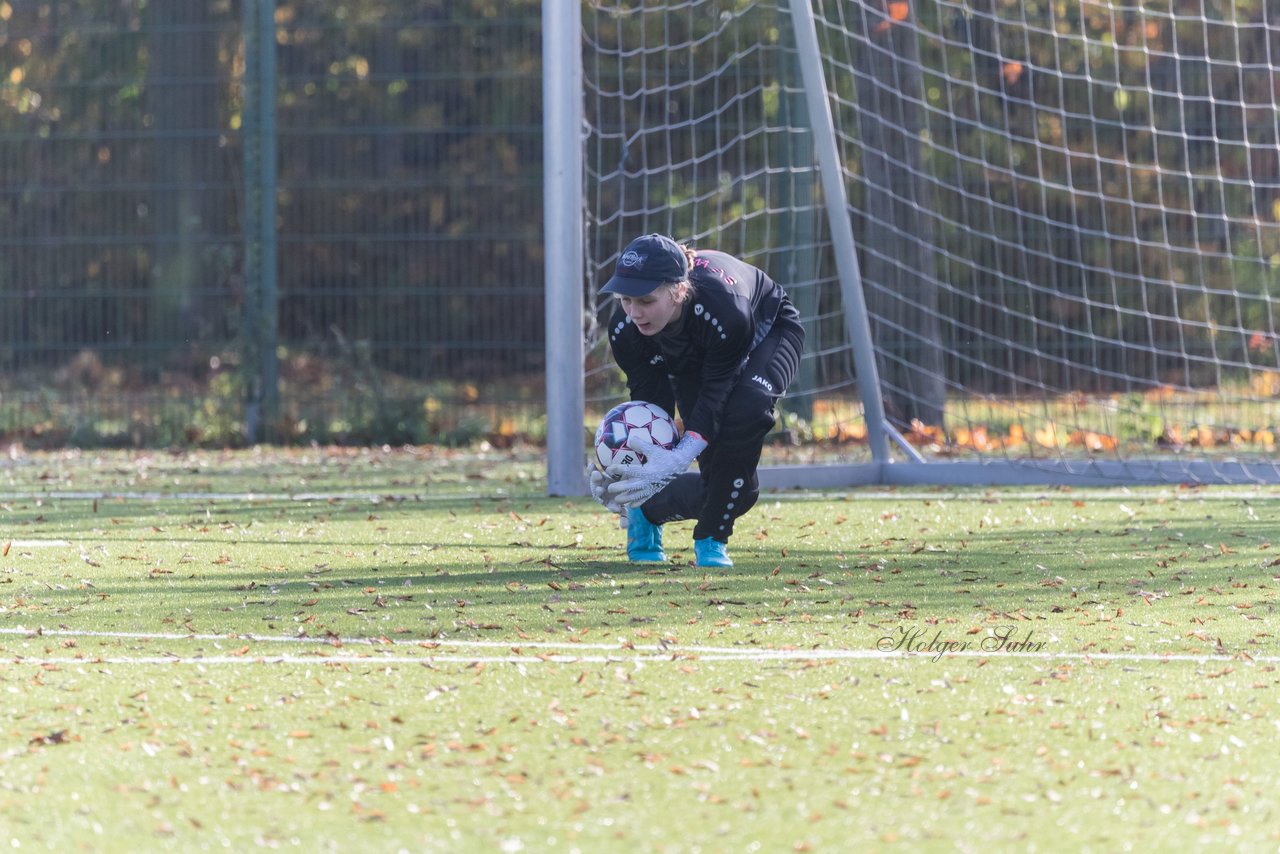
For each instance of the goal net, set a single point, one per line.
(1031, 242)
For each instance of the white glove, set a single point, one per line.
(600, 491)
(636, 483)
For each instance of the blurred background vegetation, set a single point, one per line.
(408, 204)
(403, 302)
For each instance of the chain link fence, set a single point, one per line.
(267, 220)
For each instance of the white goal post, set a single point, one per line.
(1031, 243)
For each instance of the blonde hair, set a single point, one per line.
(680, 291)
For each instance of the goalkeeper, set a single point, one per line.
(721, 341)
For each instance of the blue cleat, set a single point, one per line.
(644, 539)
(710, 552)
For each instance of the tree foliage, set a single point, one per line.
(1114, 168)
(409, 195)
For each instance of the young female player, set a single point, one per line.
(717, 338)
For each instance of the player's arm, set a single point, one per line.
(725, 349)
(641, 363)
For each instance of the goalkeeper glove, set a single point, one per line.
(600, 491)
(636, 483)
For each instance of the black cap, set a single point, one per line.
(647, 262)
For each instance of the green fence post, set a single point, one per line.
(261, 309)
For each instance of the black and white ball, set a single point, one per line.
(626, 419)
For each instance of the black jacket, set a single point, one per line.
(732, 308)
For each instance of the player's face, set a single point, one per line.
(651, 313)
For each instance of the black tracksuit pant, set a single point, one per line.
(726, 484)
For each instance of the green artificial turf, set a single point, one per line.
(400, 650)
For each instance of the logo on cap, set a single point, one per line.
(632, 258)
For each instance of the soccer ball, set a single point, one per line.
(624, 420)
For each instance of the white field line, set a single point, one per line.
(333, 660)
(109, 495)
(564, 651)
(1116, 493)
(766, 656)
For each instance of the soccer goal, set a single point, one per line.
(1031, 242)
